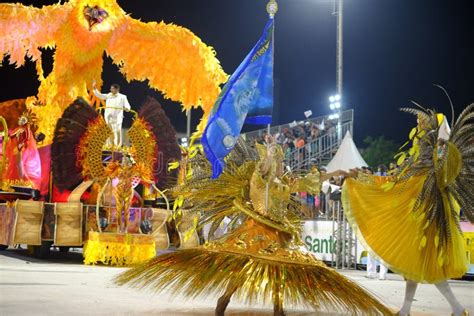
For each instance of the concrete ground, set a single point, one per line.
(62, 285)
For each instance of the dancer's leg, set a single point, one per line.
(119, 135)
(409, 296)
(116, 135)
(109, 120)
(445, 289)
(224, 300)
(278, 305)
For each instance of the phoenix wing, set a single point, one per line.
(173, 60)
(24, 29)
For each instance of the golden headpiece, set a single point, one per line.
(276, 149)
(29, 117)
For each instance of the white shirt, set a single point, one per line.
(114, 106)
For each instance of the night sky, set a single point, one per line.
(394, 51)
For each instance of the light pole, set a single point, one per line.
(339, 55)
(339, 10)
(335, 106)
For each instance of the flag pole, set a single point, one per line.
(272, 9)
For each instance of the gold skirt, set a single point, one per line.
(388, 227)
(262, 264)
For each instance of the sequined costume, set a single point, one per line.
(411, 220)
(262, 258)
(23, 159)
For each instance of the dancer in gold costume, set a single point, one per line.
(411, 220)
(262, 257)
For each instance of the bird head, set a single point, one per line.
(98, 15)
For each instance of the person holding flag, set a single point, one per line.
(261, 257)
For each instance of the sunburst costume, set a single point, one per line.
(411, 220)
(81, 135)
(78, 158)
(170, 57)
(262, 258)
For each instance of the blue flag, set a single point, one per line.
(246, 98)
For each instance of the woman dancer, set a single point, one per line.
(411, 220)
(262, 257)
(24, 163)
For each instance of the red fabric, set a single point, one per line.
(62, 196)
(58, 196)
(45, 155)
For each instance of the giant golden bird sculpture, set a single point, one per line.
(172, 59)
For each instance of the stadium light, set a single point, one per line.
(335, 102)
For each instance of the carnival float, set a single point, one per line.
(63, 182)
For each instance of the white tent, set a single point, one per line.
(347, 156)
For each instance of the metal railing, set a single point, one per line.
(319, 151)
(345, 254)
(346, 116)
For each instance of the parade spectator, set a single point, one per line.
(299, 143)
(381, 170)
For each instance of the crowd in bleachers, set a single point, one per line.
(298, 135)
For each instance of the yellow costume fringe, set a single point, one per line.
(118, 249)
(170, 57)
(262, 263)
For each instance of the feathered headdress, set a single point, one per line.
(28, 117)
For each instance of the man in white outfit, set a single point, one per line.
(115, 104)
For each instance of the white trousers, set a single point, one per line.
(115, 124)
(372, 268)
